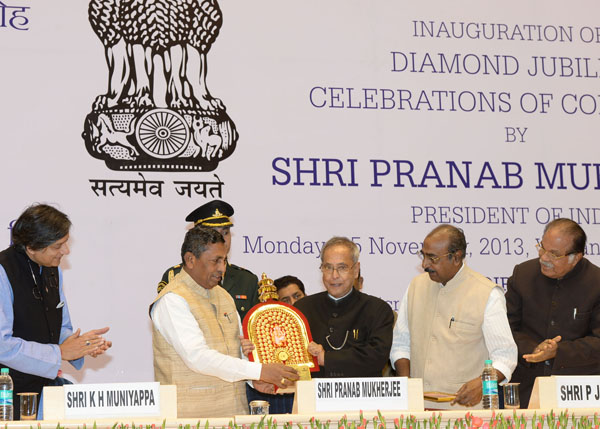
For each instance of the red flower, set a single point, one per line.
(477, 422)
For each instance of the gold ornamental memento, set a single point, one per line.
(266, 289)
(279, 332)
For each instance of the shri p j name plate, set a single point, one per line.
(355, 394)
(578, 391)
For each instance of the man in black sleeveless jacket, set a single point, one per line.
(35, 328)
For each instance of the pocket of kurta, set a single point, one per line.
(202, 390)
(583, 316)
(465, 331)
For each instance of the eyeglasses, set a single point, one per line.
(551, 254)
(342, 270)
(430, 258)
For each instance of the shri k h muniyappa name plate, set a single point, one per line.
(279, 332)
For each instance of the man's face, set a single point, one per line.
(339, 257)
(50, 256)
(207, 270)
(556, 243)
(290, 294)
(225, 231)
(440, 266)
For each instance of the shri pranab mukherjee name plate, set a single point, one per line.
(578, 391)
(355, 394)
(112, 400)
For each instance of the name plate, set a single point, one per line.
(578, 391)
(112, 400)
(355, 394)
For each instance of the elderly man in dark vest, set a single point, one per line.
(553, 305)
(35, 327)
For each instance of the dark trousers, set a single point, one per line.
(278, 404)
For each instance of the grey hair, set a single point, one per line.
(198, 239)
(573, 229)
(342, 241)
(39, 226)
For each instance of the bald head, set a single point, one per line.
(455, 236)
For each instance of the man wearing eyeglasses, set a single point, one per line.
(352, 331)
(35, 327)
(554, 308)
(450, 321)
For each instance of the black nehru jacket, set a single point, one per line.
(359, 325)
(36, 317)
(540, 307)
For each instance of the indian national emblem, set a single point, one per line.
(158, 114)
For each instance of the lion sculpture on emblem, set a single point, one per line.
(158, 114)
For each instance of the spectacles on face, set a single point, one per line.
(342, 269)
(552, 255)
(431, 258)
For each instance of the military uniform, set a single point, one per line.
(241, 284)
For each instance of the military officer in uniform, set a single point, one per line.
(240, 283)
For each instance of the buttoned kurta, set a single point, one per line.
(355, 331)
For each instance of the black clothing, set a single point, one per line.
(541, 308)
(36, 316)
(360, 325)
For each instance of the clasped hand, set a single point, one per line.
(91, 343)
(545, 350)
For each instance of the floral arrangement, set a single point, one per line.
(497, 421)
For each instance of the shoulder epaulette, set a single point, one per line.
(241, 268)
(170, 275)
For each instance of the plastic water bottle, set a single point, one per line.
(6, 396)
(489, 380)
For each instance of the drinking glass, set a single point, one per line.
(28, 405)
(511, 396)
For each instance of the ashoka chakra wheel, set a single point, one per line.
(162, 133)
